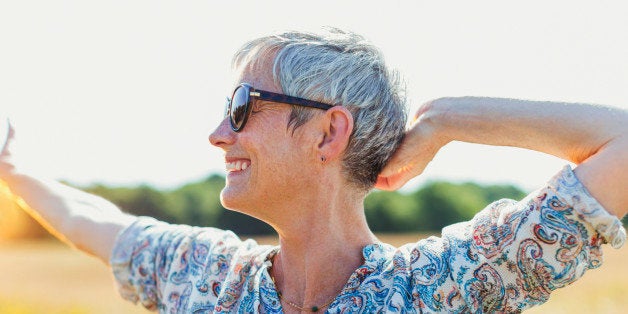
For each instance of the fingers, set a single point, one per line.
(400, 169)
(6, 134)
(424, 108)
(6, 138)
(392, 183)
(11, 129)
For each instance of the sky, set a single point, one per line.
(126, 92)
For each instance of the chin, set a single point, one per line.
(234, 199)
(238, 201)
(228, 200)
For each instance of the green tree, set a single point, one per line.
(392, 212)
(430, 208)
(198, 203)
(141, 201)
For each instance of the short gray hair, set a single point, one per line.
(339, 68)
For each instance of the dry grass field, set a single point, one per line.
(48, 277)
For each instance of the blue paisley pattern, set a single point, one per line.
(509, 257)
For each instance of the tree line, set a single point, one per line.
(429, 208)
(426, 209)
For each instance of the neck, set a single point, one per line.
(320, 249)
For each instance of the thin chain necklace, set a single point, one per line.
(314, 308)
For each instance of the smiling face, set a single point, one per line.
(267, 165)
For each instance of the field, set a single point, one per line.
(48, 277)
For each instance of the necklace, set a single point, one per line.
(314, 308)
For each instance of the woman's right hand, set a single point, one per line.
(86, 221)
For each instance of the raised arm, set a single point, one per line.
(86, 221)
(593, 137)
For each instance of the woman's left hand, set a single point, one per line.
(419, 146)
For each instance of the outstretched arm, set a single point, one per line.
(85, 221)
(593, 137)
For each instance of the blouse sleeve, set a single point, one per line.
(511, 255)
(151, 260)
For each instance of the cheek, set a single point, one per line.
(280, 169)
(278, 155)
(276, 166)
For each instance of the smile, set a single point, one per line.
(237, 165)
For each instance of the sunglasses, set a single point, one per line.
(240, 104)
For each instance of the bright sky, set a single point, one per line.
(124, 92)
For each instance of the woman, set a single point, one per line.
(315, 122)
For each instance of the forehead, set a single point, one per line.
(258, 75)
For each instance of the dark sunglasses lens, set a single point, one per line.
(239, 107)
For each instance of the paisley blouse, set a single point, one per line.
(509, 257)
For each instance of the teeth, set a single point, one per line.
(237, 165)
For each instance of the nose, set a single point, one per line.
(223, 134)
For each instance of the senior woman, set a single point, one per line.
(315, 121)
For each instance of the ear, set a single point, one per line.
(337, 126)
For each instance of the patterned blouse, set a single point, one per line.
(509, 257)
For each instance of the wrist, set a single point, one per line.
(433, 123)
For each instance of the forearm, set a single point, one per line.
(570, 131)
(594, 137)
(85, 221)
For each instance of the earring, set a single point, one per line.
(323, 158)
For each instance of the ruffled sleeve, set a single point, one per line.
(569, 189)
(156, 263)
(511, 255)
